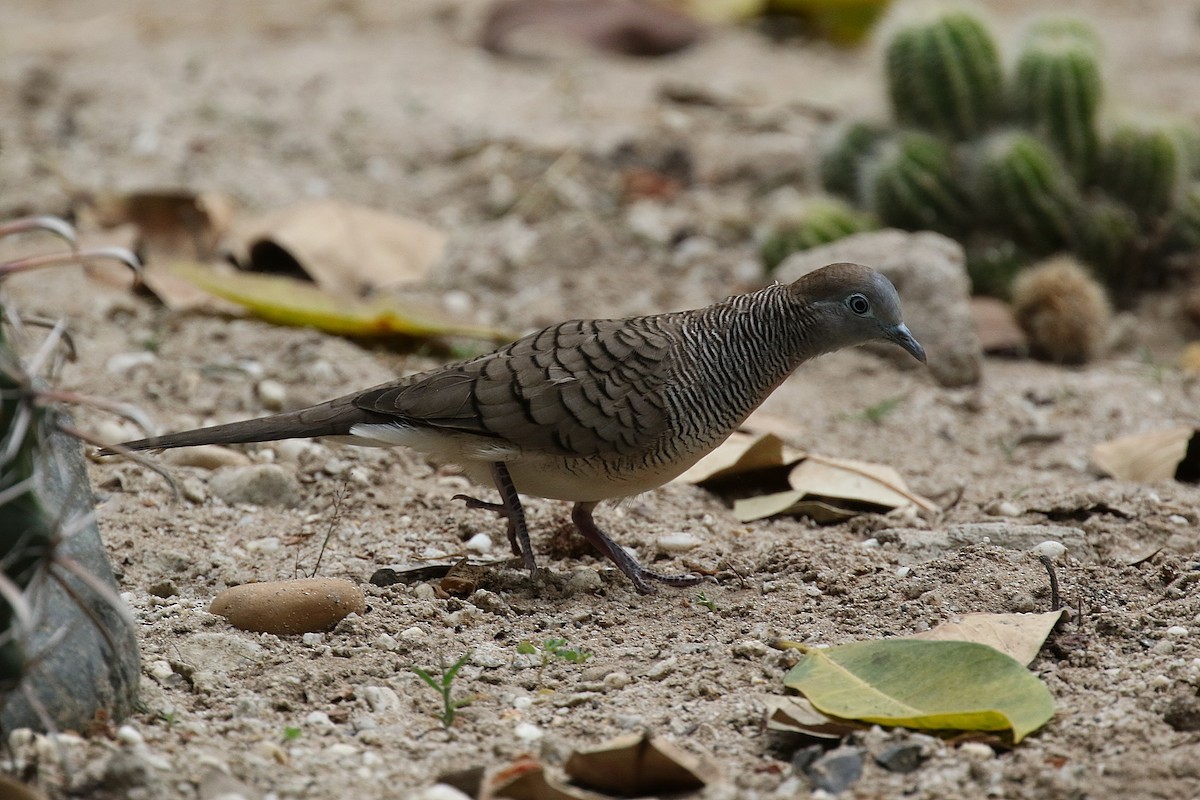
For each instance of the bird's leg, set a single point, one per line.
(510, 508)
(581, 515)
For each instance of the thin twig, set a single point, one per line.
(1055, 600)
(337, 508)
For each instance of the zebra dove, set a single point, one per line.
(593, 410)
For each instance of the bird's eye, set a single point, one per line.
(858, 303)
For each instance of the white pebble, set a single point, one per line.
(677, 542)
(869, 544)
(617, 680)
(272, 394)
(341, 750)
(412, 634)
(903, 572)
(124, 363)
(313, 639)
(381, 698)
(128, 735)
(267, 544)
(1050, 549)
(441, 791)
(479, 544)
(527, 732)
(1177, 519)
(522, 702)
(458, 302)
(1163, 647)
(318, 719)
(976, 751)
(1177, 631)
(385, 641)
(292, 450)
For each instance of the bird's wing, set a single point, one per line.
(580, 388)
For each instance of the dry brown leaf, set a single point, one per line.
(638, 765)
(742, 452)
(526, 779)
(347, 250)
(1145, 457)
(1020, 636)
(170, 224)
(855, 481)
(794, 714)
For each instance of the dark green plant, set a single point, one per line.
(846, 148)
(1183, 226)
(1142, 166)
(1108, 239)
(443, 684)
(910, 182)
(944, 75)
(1024, 191)
(992, 263)
(822, 222)
(1057, 89)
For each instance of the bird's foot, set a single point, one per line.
(475, 503)
(581, 515)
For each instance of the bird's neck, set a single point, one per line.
(737, 353)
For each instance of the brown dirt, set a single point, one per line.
(389, 104)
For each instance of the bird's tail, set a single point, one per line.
(334, 418)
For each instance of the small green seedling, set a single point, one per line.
(875, 414)
(552, 649)
(442, 685)
(291, 733)
(703, 599)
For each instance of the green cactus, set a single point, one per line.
(1183, 225)
(1025, 191)
(910, 183)
(841, 157)
(1057, 90)
(992, 263)
(1106, 237)
(1187, 137)
(1141, 165)
(824, 221)
(943, 74)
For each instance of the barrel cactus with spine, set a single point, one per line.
(1057, 90)
(944, 75)
(1025, 191)
(1142, 166)
(843, 153)
(909, 182)
(823, 221)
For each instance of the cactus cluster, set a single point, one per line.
(1019, 166)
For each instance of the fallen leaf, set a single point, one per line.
(1019, 636)
(794, 714)
(638, 765)
(845, 22)
(287, 301)
(531, 27)
(347, 250)
(960, 686)
(170, 224)
(526, 779)
(778, 504)
(1149, 457)
(742, 452)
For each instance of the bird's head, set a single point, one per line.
(856, 305)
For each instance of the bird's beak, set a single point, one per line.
(902, 336)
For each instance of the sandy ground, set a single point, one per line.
(391, 105)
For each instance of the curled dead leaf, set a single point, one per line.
(638, 765)
(1162, 455)
(1019, 636)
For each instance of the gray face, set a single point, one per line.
(862, 303)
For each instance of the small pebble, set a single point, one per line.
(206, 456)
(193, 490)
(583, 581)
(440, 791)
(479, 544)
(1177, 632)
(124, 363)
(128, 735)
(385, 641)
(272, 394)
(261, 485)
(750, 648)
(662, 669)
(281, 607)
(381, 698)
(313, 639)
(1051, 549)
(677, 542)
(318, 719)
(837, 770)
(1003, 508)
(903, 572)
(412, 634)
(527, 732)
(522, 702)
(976, 751)
(1163, 647)
(617, 680)
(903, 757)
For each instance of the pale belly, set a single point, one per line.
(536, 474)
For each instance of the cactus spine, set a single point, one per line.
(944, 76)
(824, 221)
(909, 183)
(1057, 90)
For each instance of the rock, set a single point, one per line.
(216, 785)
(837, 770)
(282, 607)
(1183, 713)
(903, 757)
(261, 485)
(381, 698)
(206, 456)
(272, 394)
(929, 272)
(681, 542)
